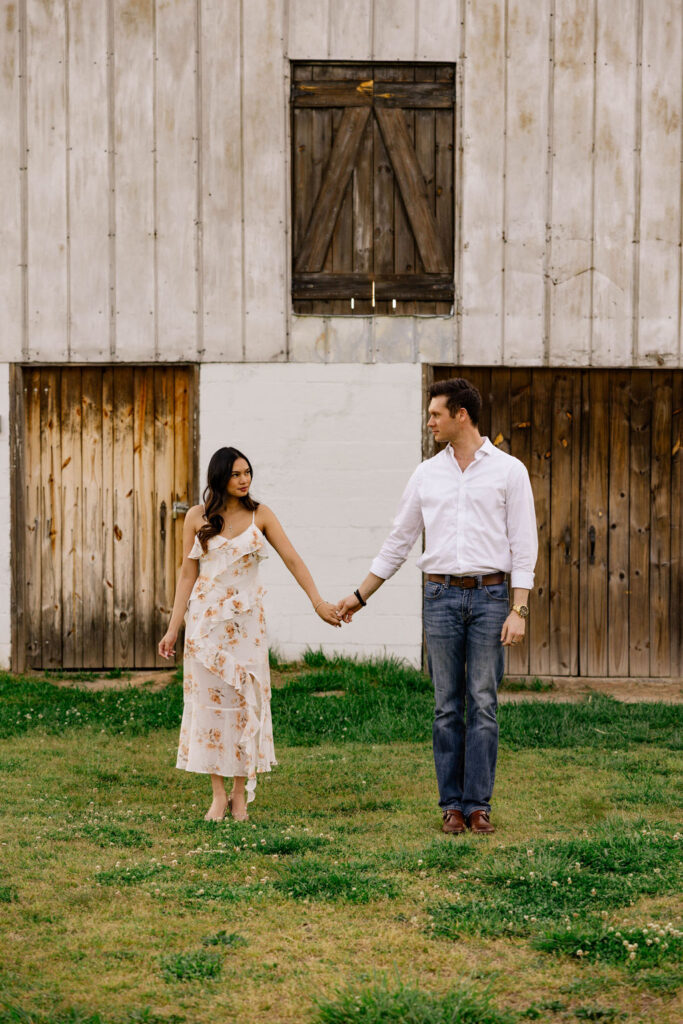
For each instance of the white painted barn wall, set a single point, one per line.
(144, 210)
(332, 449)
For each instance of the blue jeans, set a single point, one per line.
(465, 658)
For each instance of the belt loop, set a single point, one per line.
(479, 583)
(447, 581)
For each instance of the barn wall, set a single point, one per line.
(144, 209)
(332, 449)
(5, 577)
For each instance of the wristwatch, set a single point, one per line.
(521, 609)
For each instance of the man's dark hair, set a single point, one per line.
(460, 394)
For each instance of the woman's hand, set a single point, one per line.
(328, 613)
(167, 643)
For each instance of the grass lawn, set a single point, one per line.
(340, 899)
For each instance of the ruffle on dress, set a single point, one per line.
(225, 641)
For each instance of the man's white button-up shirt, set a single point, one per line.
(476, 521)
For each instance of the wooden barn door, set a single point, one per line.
(104, 466)
(603, 450)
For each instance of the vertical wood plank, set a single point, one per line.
(88, 182)
(164, 466)
(572, 219)
(34, 521)
(46, 144)
(134, 134)
(73, 536)
(615, 100)
(561, 596)
(93, 517)
(221, 182)
(146, 516)
(346, 44)
(520, 448)
(126, 539)
(176, 178)
(639, 546)
(438, 31)
(108, 484)
(342, 237)
(19, 518)
(51, 518)
(499, 397)
(596, 427)
(383, 202)
(394, 29)
(265, 198)
(618, 543)
(660, 525)
(363, 215)
(10, 193)
(308, 30)
(444, 183)
(405, 255)
(182, 472)
(482, 186)
(660, 209)
(677, 526)
(539, 472)
(526, 141)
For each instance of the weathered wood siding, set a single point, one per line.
(144, 213)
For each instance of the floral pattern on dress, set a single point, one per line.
(226, 727)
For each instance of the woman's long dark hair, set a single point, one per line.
(216, 492)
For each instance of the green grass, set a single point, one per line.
(131, 908)
(381, 1004)
(383, 701)
(520, 889)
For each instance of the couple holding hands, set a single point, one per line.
(474, 503)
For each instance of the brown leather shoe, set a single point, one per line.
(453, 823)
(480, 823)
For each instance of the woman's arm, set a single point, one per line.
(271, 528)
(186, 581)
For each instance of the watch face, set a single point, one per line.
(523, 610)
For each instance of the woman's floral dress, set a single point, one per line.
(226, 727)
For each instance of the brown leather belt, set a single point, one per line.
(468, 581)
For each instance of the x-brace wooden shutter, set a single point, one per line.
(372, 188)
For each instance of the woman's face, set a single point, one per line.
(240, 479)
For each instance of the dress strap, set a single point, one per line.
(253, 517)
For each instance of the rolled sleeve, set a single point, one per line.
(406, 529)
(521, 528)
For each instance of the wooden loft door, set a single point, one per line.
(604, 453)
(102, 458)
(372, 188)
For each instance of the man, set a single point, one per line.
(477, 509)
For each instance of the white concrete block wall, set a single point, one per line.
(5, 574)
(332, 446)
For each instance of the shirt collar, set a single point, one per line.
(484, 449)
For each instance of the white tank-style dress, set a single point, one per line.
(226, 727)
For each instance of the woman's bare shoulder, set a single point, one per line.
(264, 515)
(195, 516)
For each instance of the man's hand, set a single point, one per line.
(513, 630)
(347, 607)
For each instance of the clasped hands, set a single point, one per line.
(343, 611)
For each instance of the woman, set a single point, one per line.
(226, 727)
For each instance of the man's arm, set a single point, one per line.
(523, 538)
(407, 527)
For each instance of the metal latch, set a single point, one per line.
(180, 507)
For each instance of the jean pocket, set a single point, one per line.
(498, 592)
(433, 590)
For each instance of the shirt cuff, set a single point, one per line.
(383, 569)
(523, 580)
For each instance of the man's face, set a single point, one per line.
(443, 426)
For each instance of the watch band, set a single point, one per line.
(521, 610)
